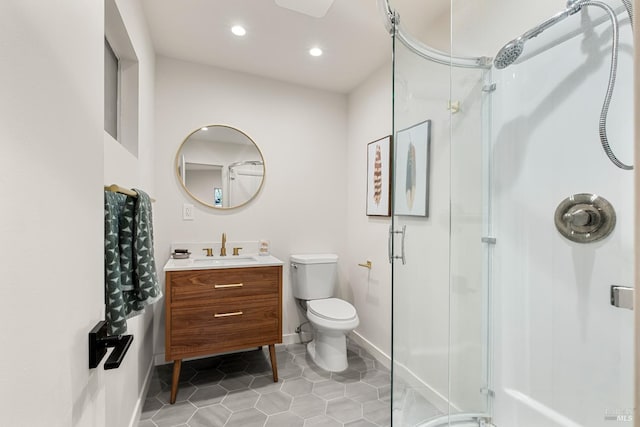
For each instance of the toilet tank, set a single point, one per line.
(314, 276)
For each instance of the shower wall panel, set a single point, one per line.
(563, 354)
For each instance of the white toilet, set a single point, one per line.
(314, 279)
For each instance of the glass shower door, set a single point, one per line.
(440, 330)
(420, 268)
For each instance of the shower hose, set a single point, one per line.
(602, 124)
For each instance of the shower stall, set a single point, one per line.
(513, 263)
(244, 179)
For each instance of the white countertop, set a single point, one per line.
(217, 262)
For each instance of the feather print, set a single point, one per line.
(377, 177)
(411, 175)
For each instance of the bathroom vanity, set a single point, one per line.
(221, 304)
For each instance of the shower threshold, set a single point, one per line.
(460, 420)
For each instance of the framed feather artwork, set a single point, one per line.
(379, 177)
(411, 188)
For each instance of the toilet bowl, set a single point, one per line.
(314, 279)
(332, 319)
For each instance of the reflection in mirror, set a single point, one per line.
(220, 166)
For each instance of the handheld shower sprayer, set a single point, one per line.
(511, 51)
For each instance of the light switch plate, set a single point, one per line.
(187, 212)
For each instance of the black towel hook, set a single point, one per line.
(99, 341)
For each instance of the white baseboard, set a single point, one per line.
(135, 418)
(404, 373)
(375, 351)
(422, 388)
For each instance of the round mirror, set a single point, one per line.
(220, 166)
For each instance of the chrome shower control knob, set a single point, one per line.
(585, 218)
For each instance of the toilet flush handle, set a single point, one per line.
(294, 266)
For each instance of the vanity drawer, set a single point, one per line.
(221, 326)
(198, 285)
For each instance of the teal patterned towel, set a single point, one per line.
(130, 275)
(145, 276)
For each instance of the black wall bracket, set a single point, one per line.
(99, 341)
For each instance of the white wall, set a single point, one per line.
(302, 134)
(370, 118)
(125, 386)
(51, 221)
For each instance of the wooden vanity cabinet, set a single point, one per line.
(221, 310)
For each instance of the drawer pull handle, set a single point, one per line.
(231, 285)
(235, 313)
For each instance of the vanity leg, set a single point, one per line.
(177, 364)
(274, 362)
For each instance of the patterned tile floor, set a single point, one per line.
(238, 390)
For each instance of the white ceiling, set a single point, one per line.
(351, 34)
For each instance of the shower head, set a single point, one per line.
(512, 50)
(509, 53)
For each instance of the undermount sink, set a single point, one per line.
(203, 263)
(234, 260)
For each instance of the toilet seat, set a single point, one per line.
(333, 309)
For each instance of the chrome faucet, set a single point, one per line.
(223, 249)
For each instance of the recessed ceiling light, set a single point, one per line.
(238, 30)
(204, 128)
(315, 51)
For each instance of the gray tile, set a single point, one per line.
(208, 377)
(232, 366)
(150, 407)
(247, 418)
(314, 373)
(377, 412)
(361, 392)
(297, 348)
(185, 390)
(155, 386)
(204, 364)
(308, 406)
(165, 373)
(239, 400)
(381, 367)
(322, 421)
(344, 409)
(360, 423)
(274, 403)
(328, 389)
(376, 378)
(172, 415)
(285, 419)
(236, 381)
(306, 394)
(302, 360)
(259, 367)
(289, 371)
(346, 376)
(211, 416)
(351, 353)
(366, 355)
(384, 393)
(209, 395)
(265, 384)
(255, 355)
(283, 356)
(361, 365)
(415, 408)
(297, 386)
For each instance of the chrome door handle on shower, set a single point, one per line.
(391, 233)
